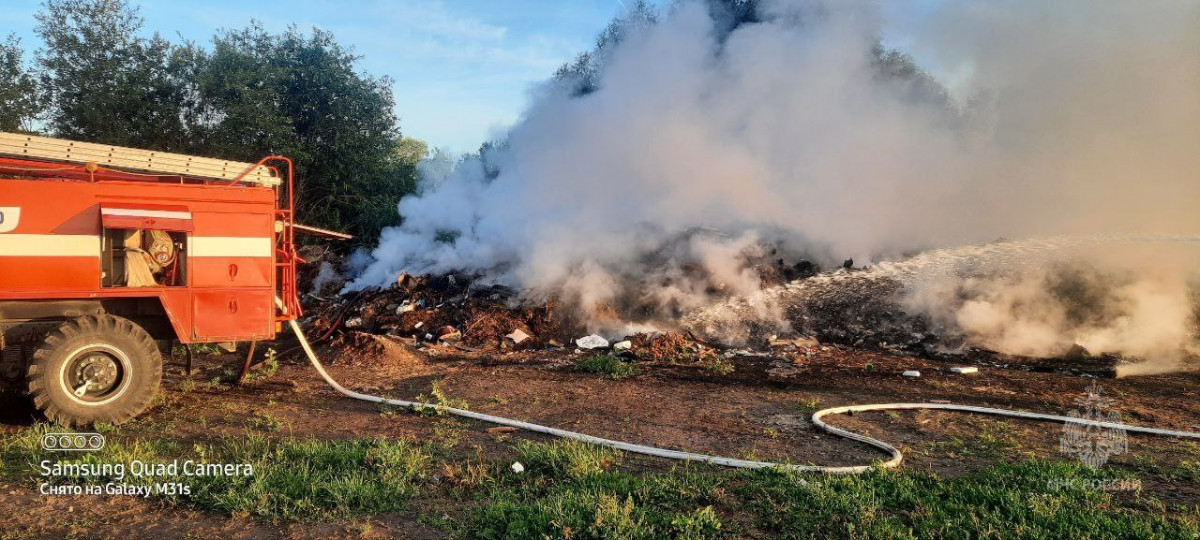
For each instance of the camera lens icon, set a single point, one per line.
(73, 442)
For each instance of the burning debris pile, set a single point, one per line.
(453, 311)
(465, 311)
(446, 309)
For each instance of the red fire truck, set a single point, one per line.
(107, 252)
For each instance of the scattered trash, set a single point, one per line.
(405, 307)
(591, 342)
(670, 347)
(803, 342)
(964, 370)
(912, 373)
(419, 324)
(517, 336)
(354, 323)
(807, 342)
(406, 281)
(517, 467)
(448, 333)
(622, 345)
(733, 353)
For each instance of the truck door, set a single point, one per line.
(232, 276)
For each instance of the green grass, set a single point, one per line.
(606, 364)
(437, 396)
(810, 405)
(267, 369)
(1021, 500)
(568, 459)
(576, 497)
(265, 422)
(293, 479)
(990, 440)
(717, 365)
(574, 490)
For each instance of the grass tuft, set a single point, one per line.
(437, 396)
(717, 365)
(606, 364)
(567, 459)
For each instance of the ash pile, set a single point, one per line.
(855, 307)
(909, 307)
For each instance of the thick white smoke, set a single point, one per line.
(1138, 301)
(801, 132)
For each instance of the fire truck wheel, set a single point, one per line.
(97, 368)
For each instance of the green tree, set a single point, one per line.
(106, 83)
(584, 71)
(298, 94)
(253, 93)
(19, 103)
(411, 150)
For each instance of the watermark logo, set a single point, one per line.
(1093, 444)
(72, 442)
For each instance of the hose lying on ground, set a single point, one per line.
(894, 455)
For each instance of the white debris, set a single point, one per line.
(517, 467)
(912, 373)
(622, 345)
(354, 323)
(806, 342)
(517, 336)
(406, 307)
(802, 342)
(591, 342)
(745, 352)
(419, 324)
(964, 370)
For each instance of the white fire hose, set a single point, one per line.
(894, 455)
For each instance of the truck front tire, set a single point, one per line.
(97, 368)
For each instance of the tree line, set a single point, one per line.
(249, 93)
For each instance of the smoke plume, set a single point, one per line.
(640, 183)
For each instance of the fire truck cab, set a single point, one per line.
(108, 253)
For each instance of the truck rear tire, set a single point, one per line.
(97, 368)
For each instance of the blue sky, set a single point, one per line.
(461, 68)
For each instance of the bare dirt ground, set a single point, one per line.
(760, 410)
